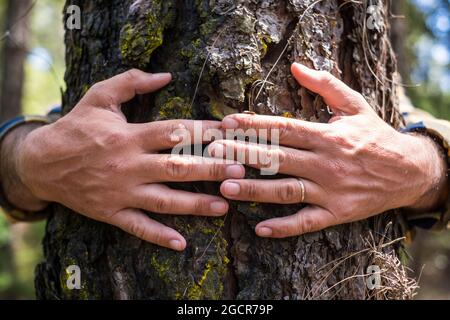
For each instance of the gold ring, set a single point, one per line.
(302, 190)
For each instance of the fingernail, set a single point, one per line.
(235, 171)
(231, 188)
(264, 232)
(301, 66)
(176, 244)
(229, 123)
(219, 207)
(160, 75)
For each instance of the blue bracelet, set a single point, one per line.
(418, 126)
(8, 125)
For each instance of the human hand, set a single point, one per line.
(353, 167)
(97, 164)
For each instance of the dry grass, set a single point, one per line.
(395, 282)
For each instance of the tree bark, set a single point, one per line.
(397, 35)
(13, 58)
(13, 43)
(241, 42)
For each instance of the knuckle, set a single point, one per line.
(173, 132)
(103, 95)
(285, 129)
(344, 210)
(199, 206)
(340, 141)
(161, 205)
(112, 165)
(354, 204)
(337, 209)
(137, 229)
(326, 78)
(246, 122)
(131, 74)
(305, 223)
(356, 100)
(216, 171)
(348, 212)
(304, 131)
(177, 168)
(251, 190)
(117, 138)
(158, 237)
(278, 155)
(97, 87)
(287, 192)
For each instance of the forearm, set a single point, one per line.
(435, 165)
(15, 191)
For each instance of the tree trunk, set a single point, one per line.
(397, 35)
(241, 41)
(13, 58)
(13, 43)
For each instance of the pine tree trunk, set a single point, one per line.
(241, 41)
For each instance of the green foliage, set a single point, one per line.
(5, 274)
(428, 95)
(44, 74)
(143, 33)
(21, 251)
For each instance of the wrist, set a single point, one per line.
(432, 180)
(16, 190)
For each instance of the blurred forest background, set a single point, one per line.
(31, 82)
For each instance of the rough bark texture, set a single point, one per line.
(13, 58)
(241, 41)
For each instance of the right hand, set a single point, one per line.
(97, 164)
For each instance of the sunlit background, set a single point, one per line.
(422, 43)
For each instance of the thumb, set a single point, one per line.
(337, 95)
(111, 93)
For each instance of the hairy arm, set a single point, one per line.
(15, 191)
(435, 164)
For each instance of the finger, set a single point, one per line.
(298, 163)
(123, 87)
(140, 225)
(340, 97)
(283, 191)
(309, 219)
(285, 131)
(159, 198)
(174, 168)
(163, 135)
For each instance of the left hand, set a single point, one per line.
(353, 167)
